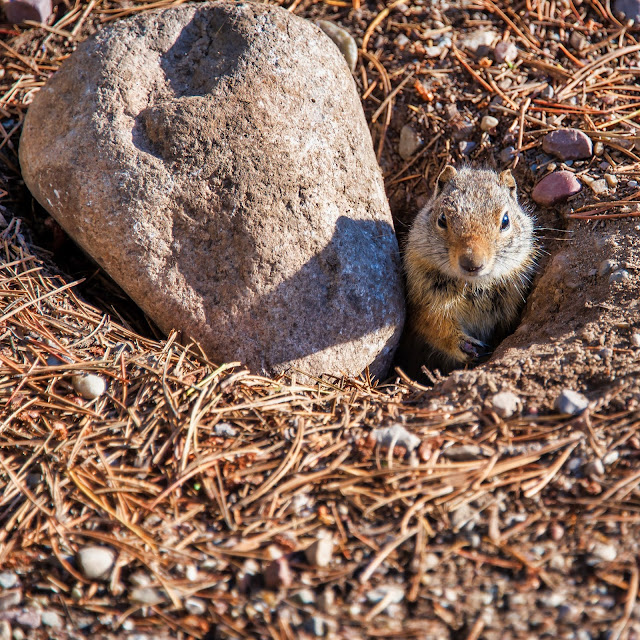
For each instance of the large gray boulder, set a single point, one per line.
(215, 160)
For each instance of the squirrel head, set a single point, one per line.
(473, 228)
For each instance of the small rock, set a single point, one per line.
(409, 143)
(5, 630)
(320, 552)
(146, 595)
(505, 52)
(326, 601)
(556, 531)
(52, 619)
(568, 144)
(304, 597)
(466, 146)
(505, 403)
(18, 634)
(555, 187)
(8, 579)
(394, 592)
(278, 575)
(612, 181)
(479, 40)
(195, 606)
(316, 626)
(89, 385)
(489, 123)
(18, 11)
(507, 154)
(632, 183)
(343, 40)
(401, 41)
(463, 452)
(620, 275)
(433, 52)
(598, 148)
(31, 618)
(635, 339)
(629, 8)
(577, 40)
(95, 562)
(594, 468)
(396, 435)
(602, 552)
(606, 266)
(571, 402)
(610, 458)
(547, 93)
(599, 187)
(225, 430)
(10, 599)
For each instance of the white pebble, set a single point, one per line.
(89, 385)
(195, 606)
(319, 554)
(146, 595)
(51, 619)
(612, 180)
(619, 276)
(488, 123)
(610, 457)
(602, 552)
(95, 562)
(343, 40)
(635, 339)
(505, 403)
(571, 402)
(396, 435)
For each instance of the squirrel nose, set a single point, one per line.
(470, 265)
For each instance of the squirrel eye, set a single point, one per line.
(442, 221)
(505, 222)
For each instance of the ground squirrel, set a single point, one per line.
(469, 259)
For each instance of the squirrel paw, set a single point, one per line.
(472, 347)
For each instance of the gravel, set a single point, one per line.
(571, 402)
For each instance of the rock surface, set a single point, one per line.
(555, 187)
(215, 160)
(18, 11)
(568, 144)
(630, 9)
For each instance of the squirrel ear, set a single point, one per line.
(507, 180)
(447, 174)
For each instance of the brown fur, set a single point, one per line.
(467, 281)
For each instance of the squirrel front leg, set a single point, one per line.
(443, 333)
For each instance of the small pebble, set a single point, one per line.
(463, 452)
(599, 187)
(52, 619)
(394, 592)
(402, 41)
(304, 597)
(343, 40)
(409, 143)
(505, 403)
(319, 553)
(10, 599)
(571, 402)
(602, 552)
(466, 147)
(5, 630)
(610, 458)
(18, 634)
(195, 606)
(629, 8)
(489, 123)
(507, 154)
(505, 52)
(89, 385)
(8, 579)
(620, 275)
(146, 595)
(594, 468)
(632, 183)
(607, 266)
(598, 148)
(278, 575)
(577, 40)
(316, 626)
(478, 40)
(612, 181)
(326, 601)
(31, 618)
(95, 562)
(556, 531)
(433, 52)
(555, 187)
(225, 430)
(635, 339)
(568, 144)
(18, 11)
(547, 92)
(396, 435)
